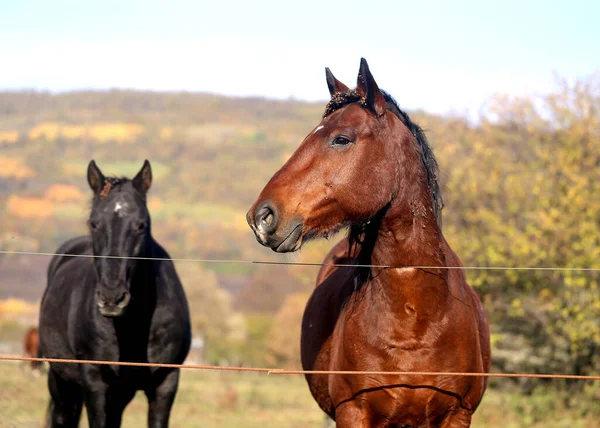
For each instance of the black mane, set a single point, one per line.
(341, 99)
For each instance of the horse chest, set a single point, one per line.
(137, 336)
(370, 324)
(369, 338)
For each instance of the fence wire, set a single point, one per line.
(267, 262)
(276, 371)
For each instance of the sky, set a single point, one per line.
(439, 56)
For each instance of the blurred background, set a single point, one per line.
(218, 95)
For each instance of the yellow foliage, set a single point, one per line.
(122, 132)
(72, 132)
(14, 168)
(63, 193)
(283, 337)
(21, 206)
(154, 203)
(9, 137)
(166, 133)
(14, 306)
(102, 132)
(47, 130)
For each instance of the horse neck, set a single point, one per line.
(408, 234)
(138, 317)
(405, 234)
(144, 280)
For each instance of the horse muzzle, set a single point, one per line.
(112, 304)
(265, 222)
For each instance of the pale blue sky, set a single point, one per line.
(434, 55)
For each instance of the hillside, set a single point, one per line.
(210, 156)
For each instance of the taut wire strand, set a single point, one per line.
(297, 372)
(266, 262)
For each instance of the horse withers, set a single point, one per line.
(115, 303)
(368, 167)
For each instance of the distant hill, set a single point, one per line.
(210, 156)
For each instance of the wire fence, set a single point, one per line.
(268, 262)
(276, 371)
(279, 371)
(297, 372)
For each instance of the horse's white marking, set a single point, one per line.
(120, 207)
(318, 127)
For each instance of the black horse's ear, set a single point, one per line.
(95, 177)
(143, 180)
(333, 84)
(368, 88)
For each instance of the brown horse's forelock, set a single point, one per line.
(341, 99)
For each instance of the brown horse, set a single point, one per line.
(30, 347)
(368, 167)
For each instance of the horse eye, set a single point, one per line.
(340, 140)
(92, 225)
(140, 226)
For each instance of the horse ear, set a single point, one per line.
(368, 88)
(143, 180)
(95, 177)
(333, 84)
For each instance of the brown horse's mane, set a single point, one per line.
(429, 162)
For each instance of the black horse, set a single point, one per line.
(112, 308)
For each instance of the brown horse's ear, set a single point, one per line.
(95, 177)
(368, 88)
(333, 84)
(143, 180)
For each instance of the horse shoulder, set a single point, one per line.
(477, 313)
(66, 254)
(168, 282)
(321, 315)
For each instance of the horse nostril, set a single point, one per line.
(265, 219)
(122, 298)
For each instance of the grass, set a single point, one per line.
(204, 399)
(227, 400)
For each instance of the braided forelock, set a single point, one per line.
(341, 99)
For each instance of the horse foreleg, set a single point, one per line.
(104, 403)
(460, 419)
(160, 398)
(350, 415)
(64, 409)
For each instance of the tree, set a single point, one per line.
(284, 337)
(213, 318)
(526, 194)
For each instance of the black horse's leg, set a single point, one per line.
(104, 403)
(105, 408)
(66, 401)
(161, 395)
